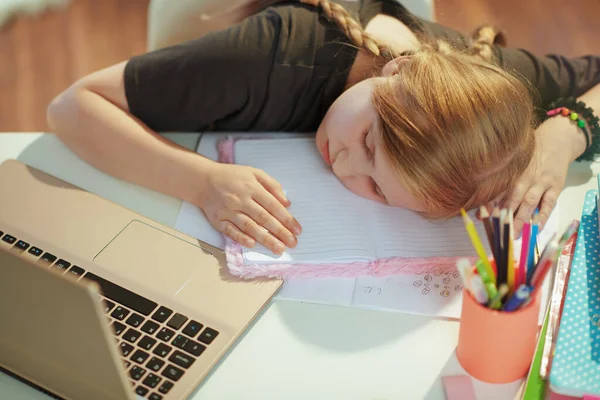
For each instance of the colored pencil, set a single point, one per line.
(531, 260)
(525, 254)
(549, 257)
(497, 237)
(478, 290)
(496, 302)
(505, 233)
(476, 242)
(510, 259)
(463, 265)
(485, 217)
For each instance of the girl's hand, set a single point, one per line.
(249, 206)
(558, 143)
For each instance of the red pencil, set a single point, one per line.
(548, 259)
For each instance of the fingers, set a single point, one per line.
(531, 200)
(229, 229)
(248, 226)
(273, 187)
(269, 203)
(549, 200)
(263, 218)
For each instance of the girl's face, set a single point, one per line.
(349, 141)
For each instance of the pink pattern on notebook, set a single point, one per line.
(381, 267)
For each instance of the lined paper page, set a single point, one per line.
(403, 233)
(333, 219)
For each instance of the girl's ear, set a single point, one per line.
(393, 67)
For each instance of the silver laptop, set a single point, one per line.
(98, 302)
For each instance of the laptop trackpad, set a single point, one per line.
(152, 258)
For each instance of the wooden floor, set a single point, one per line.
(41, 56)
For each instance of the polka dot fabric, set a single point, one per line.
(576, 364)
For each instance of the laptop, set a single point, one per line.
(98, 302)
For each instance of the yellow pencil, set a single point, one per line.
(477, 244)
(510, 261)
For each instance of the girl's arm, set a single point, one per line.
(559, 142)
(92, 117)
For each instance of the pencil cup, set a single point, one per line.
(497, 346)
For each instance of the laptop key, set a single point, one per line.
(177, 321)
(193, 328)
(165, 387)
(118, 327)
(162, 350)
(135, 320)
(147, 342)
(9, 239)
(181, 359)
(172, 372)
(127, 363)
(152, 381)
(194, 348)
(76, 271)
(35, 251)
(165, 334)
(62, 265)
(48, 258)
(136, 372)
(20, 245)
(162, 314)
(142, 391)
(125, 349)
(155, 364)
(150, 327)
(140, 356)
(108, 305)
(180, 341)
(131, 335)
(119, 313)
(155, 396)
(122, 295)
(208, 335)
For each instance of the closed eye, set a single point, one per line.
(366, 146)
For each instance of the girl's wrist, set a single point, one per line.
(566, 133)
(195, 175)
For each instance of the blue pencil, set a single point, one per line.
(532, 245)
(518, 298)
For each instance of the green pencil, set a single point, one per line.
(535, 386)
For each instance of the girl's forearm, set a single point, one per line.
(577, 142)
(112, 140)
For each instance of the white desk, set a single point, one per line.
(296, 350)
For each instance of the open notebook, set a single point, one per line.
(343, 234)
(437, 294)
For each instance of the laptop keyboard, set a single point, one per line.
(158, 345)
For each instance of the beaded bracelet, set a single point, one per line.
(574, 117)
(585, 115)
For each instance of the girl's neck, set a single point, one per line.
(387, 31)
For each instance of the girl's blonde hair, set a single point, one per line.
(457, 127)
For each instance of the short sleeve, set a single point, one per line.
(193, 85)
(554, 76)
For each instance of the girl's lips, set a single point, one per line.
(325, 153)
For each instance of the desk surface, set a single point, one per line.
(297, 350)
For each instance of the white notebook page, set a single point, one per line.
(333, 219)
(337, 224)
(401, 232)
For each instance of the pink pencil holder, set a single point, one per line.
(497, 346)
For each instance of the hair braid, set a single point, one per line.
(482, 41)
(337, 14)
